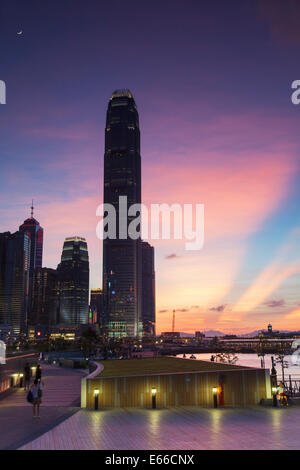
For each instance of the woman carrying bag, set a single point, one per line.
(35, 397)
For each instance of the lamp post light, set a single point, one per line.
(96, 395)
(215, 391)
(274, 391)
(153, 398)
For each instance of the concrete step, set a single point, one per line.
(291, 401)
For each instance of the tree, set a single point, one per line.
(281, 351)
(89, 340)
(261, 349)
(226, 357)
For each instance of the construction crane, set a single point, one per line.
(173, 322)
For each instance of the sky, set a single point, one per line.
(212, 83)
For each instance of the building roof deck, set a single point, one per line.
(160, 366)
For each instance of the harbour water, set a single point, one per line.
(252, 360)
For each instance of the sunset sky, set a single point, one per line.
(212, 83)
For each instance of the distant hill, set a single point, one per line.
(257, 332)
(213, 333)
(252, 334)
(206, 332)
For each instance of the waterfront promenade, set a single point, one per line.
(61, 399)
(186, 428)
(64, 426)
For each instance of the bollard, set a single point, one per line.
(274, 390)
(153, 398)
(96, 395)
(215, 391)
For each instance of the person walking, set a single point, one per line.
(37, 391)
(38, 373)
(27, 376)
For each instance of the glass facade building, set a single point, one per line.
(96, 306)
(73, 279)
(45, 300)
(122, 255)
(148, 290)
(36, 234)
(14, 280)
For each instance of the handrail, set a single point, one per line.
(99, 368)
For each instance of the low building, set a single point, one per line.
(174, 382)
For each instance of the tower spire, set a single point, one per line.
(32, 209)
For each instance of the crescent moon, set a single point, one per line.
(20, 32)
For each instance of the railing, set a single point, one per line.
(291, 383)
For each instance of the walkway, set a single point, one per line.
(188, 428)
(61, 399)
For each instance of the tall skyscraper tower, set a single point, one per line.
(45, 297)
(96, 306)
(14, 280)
(148, 290)
(73, 279)
(122, 256)
(36, 233)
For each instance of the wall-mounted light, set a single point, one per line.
(14, 378)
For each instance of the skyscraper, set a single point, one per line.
(96, 305)
(45, 300)
(73, 278)
(14, 280)
(122, 256)
(36, 233)
(148, 289)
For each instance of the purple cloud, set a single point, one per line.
(220, 308)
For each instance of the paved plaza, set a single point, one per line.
(188, 428)
(61, 398)
(64, 426)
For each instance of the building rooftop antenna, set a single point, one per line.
(32, 209)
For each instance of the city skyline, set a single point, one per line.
(218, 127)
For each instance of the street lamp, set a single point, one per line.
(215, 391)
(96, 395)
(153, 398)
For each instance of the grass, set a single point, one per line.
(160, 365)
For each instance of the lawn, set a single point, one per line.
(160, 365)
